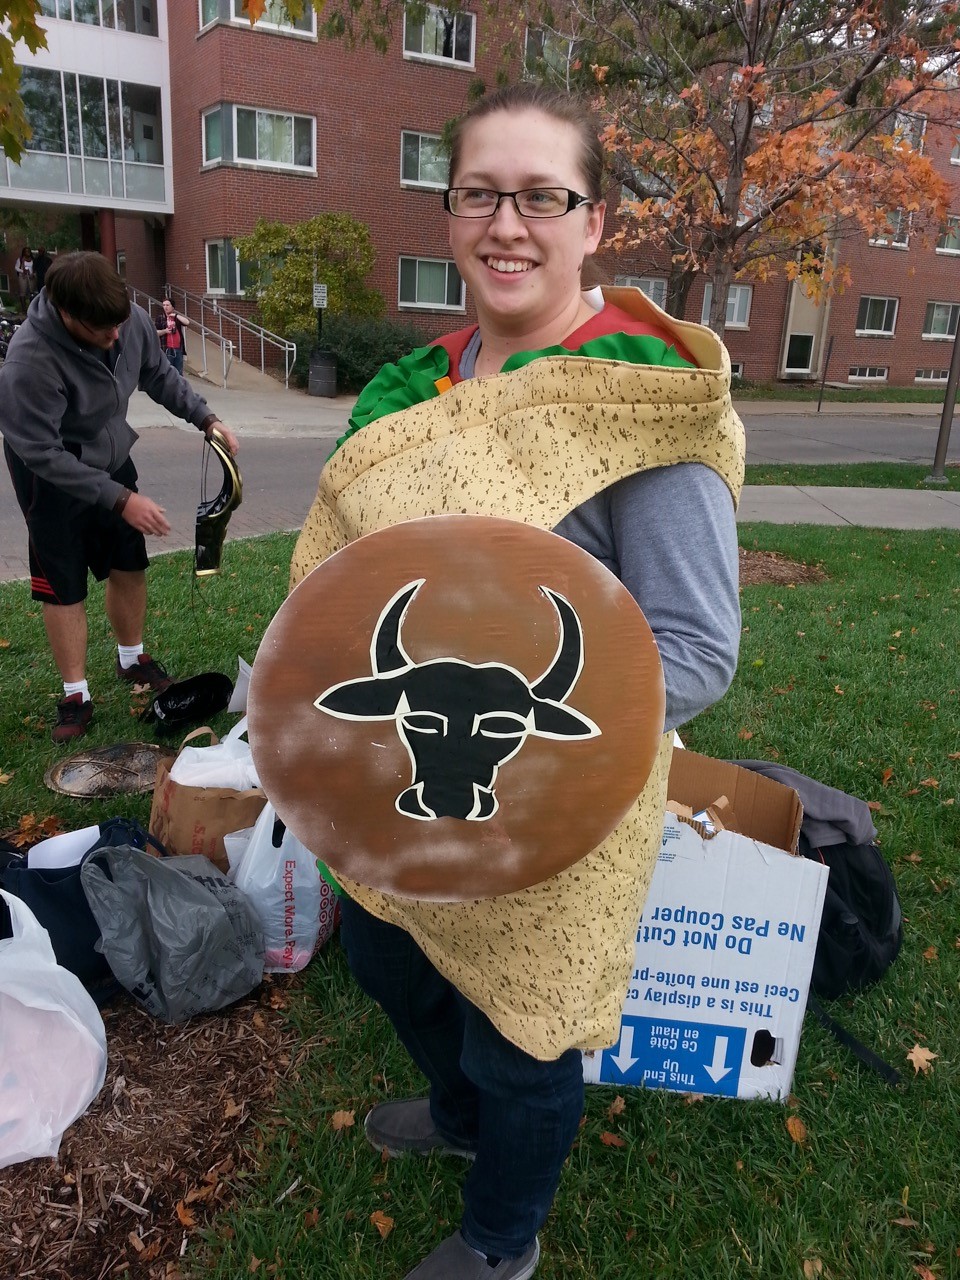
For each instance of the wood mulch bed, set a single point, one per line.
(761, 568)
(152, 1160)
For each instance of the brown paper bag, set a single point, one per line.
(195, 819)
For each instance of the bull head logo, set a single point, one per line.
(459, 721)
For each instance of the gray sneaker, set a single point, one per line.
(455, 1260)
(402, 1127)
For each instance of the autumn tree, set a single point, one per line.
(755, 136)
(18, 24)
(283, 263)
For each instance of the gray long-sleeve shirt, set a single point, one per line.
(63, 408)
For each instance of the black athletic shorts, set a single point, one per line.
(70, 538)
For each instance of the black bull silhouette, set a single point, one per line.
(458, 721)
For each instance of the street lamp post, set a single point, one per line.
(937, 476)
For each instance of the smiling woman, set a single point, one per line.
(610, 424)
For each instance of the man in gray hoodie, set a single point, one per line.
(64, 391)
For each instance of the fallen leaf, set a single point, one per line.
(5, 778)
(812, 1267)
(311, 1218)
(254, 1263)
(924, 1272)
(930, 953)
(904, 1222)
(383, 1224)
(921, 1059)
(342, 1120)
(954, 755)
(929, 782)
(837, 690)
(913, 856)
(797, 1129)
(886, 776)
(616, 1107)
(612, 1140)
(151, 1252)
(136, 1242)
(745, 735)
(232, 1110)
(187, 1216)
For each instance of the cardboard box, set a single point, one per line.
(725, 945)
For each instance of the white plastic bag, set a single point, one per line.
(279, 875)
(53, 1046)
(224, 764)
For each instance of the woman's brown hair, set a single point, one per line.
(528, 96)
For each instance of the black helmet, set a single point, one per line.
(189, 702)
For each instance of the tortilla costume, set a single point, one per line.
(549, 964)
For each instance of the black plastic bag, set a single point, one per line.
(176, 933)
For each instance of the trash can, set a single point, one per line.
(323, 374)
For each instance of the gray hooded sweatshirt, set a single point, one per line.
(63, 409)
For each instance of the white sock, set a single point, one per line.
(76, 686)
(128, 655)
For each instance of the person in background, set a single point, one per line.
(170, 326)
(495, 999)
(65, 387)
(26, 278)
(41, 265)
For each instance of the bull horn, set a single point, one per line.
(386, 651)
(559, 678)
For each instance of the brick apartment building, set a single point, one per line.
(170, 126)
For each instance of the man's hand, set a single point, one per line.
(233, 444)
(144, 514)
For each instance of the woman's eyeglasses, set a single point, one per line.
(532, 202)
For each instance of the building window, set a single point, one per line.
(949, 238)
(442, 36)
(212, 136)
(654, 287)
(122, 15)
(275, 16)
(955, 153)
(423, 161)
(736, 369)
(931, 375)
(4, 282)
(799, 353)
(940, 320)
(268, 139)
(122, 263)
(909, 127)
(877, 316)
(547, 55)
(739, 300)
(867, 373)
(431, 283)
(898, 236)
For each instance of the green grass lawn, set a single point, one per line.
(854, 681)
(855, 475)
(852, 393)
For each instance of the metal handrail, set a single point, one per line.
(206, 334)
(215, 318)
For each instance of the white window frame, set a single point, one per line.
(557, 53)
(735, 304)
(736, 369)
(430, 306)
(4, 282)
(899, 237)
(953, 319)
(210, 161)
(907, 124)
(868, 373)
(649, 286)
(245, 163)
(421, 184)
(878, 333)
(950, 231)
(932, 376)
(955, 153)
(220, 241)
(430, 11)
(279, 28)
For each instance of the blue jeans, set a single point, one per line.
(520, 1115)
(175, 356)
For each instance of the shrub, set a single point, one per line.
(360, 345)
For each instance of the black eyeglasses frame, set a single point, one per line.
(574, 201)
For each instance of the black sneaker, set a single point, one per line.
(147, 673)
(73, 717)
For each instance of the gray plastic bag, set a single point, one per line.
(176, 933)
